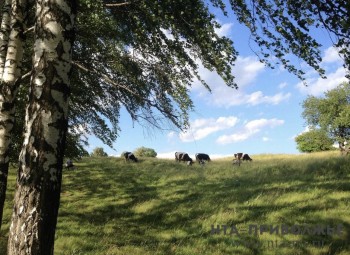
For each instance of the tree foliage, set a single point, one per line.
(99, 152)
(314, 140)
(330, 113)
(286, 28)
(144, 55)
(145, 152)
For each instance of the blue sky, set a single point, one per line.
(262, 116)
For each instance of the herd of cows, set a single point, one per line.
(201, 158)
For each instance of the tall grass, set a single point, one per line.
(163, 207)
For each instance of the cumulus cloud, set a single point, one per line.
(335, 73)
(265, 139)
(201, 128)
(171, 135)
(250, 128)
(306, 129)
(225, 29)
(171, 155)
(167, 155)
(317, 86)
(282, 85)
(245, 71)
(331, 55)
(258, 98)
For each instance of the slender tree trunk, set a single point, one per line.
(4, 33)
(11, 72)
(39, 177)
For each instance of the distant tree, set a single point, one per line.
(330, 113)
(145, 152)
(314, 140)
(99, 152)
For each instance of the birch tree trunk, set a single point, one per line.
(4, 33)
(10, 74)
(39, 177)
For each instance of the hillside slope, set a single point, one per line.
(159, 206)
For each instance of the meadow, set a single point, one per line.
(158, 206)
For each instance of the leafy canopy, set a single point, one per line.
(99, 152)
(144, 55)
(313, 141)
(145, 152)
(285, 28)
(330, 113)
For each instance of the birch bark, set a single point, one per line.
(10, 74)
(4, 33)
(39, 177)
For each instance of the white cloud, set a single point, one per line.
(225, 29)
(282, 85)
(335, 73)
(171, 155)
(167, 155)
(318, 86)
(171, 135)
(250, 128)
(201, 128)
(331, 55)
(306, 129)
(259, 98)
(245, 71)
(265, 139)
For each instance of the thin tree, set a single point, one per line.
(11, 54)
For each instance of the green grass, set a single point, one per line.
(162, 207)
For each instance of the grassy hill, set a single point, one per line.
(159, 206)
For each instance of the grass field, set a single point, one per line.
(163, 207)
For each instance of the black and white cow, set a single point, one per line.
(246, 158)
(183, 156)
(130, 156)
(238, 158)
(202, 157)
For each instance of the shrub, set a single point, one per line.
(145, 152)
(314, 140)
(99, 152)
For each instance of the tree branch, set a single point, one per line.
(117, 5)
(110, 81)
(29, 30)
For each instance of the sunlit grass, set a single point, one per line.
(163, 207)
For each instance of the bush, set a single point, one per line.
(145, 152)
(99, 152)
(313, 141)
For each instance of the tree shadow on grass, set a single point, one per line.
(162, 203)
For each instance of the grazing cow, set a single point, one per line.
(182, 156)
(202, 157)
(237, 159)
(246, 158)
(130, 156)
(344, 150)
(69, 164)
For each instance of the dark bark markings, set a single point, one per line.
(40, 173)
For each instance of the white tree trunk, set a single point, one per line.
(10, 74)
(4, 33)
(38, 188)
